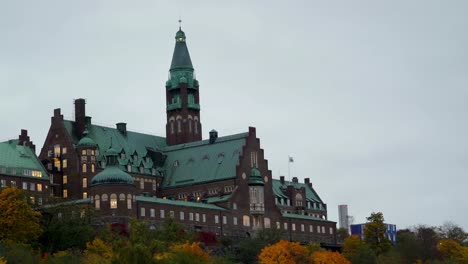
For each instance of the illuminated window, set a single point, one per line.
(85, 195)
(97, 202)
(33, 201)
(57, 150)
(64, 150)
(246, 220)
(57, 163)
(64, 163)
(92, 152)
(84, 168)
(64, 179)
(92, 167)
(65, 193)
(129, 201)
(113, 201)
(83, 152)
(85, 182)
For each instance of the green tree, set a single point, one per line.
(407, 246)
(341, 234)
(374, 234)
(449, 230)
(358, 252)
(19, 223)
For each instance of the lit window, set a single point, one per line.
(129, 201)
(92, 167)
(84, 168)
(57, 163)
(113, 201)
(65, 193)
(246, 220)
(182, 216)
(85, 182)
(64, 179)
(64, 163)
(97, 202)
(142, 211)
(234, 220)
(33, 201)
(85, 195)
(57, 150)
(64, 150)
(83, 152)
(92, 152)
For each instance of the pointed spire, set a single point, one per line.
(181, 57)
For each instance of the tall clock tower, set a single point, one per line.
(182, 98)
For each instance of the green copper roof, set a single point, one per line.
(178, 203)
(200, 161)
(20, 161)
(181, 57)
(86, 141)
(305, 217)
(218, 199)
(256, 178)
(311, 195)
(128, 144)
(112, 175)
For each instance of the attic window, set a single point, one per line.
(142, 169)
(220, 157)
(176, 163)
(206, 157)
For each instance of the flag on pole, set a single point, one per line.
(291, 159)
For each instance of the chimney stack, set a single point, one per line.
(282, 179)
(80, 116)
(295, 180)
(24, 140)
(122, 128)
(307, 181)
(213, 136)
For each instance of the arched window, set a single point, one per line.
(179, 124)
(92, 167)
(121, 197)
(195, 124)
(113, 201)
(97, 202)
(129, 201)
(299, 201)
(84, 168)
(104, 197)
(190, 123)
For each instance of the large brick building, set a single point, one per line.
(220, 185)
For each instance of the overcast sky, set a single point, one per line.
(369, 97)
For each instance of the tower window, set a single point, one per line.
(85, 168)
(113, 201)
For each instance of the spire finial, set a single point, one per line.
(180, 24)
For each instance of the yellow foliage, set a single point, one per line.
(18, 221)
(449, 248)
(2, 261)
(327, 257)
(187, 251)
(285, 252)
(98, 252)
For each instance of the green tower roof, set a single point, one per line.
(181, 57)
(112, 174)
(255, 177)
(86, 141)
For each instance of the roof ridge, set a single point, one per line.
(206, 142)
(108, 127)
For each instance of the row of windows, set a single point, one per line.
(84, 167)
(179, 124)
(320, 229)
(113, 200)
(299, 202)
(213, 191)
(26, 186)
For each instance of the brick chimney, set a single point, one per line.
(307, 181)
(282, 179)
(80, 117)
(122, 128)
(295, 180)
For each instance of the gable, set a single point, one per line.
(17, 160)
(311, 194)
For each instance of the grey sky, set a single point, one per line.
(368, 96)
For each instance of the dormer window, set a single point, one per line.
(135, 157)
(129, 168)
(122, 155)
(142, 170)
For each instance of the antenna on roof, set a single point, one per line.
(180, 23)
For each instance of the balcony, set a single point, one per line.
(173, 106)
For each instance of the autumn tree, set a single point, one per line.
(341, 234)
(449, 230)
(19, 223)
(328, 257)
(186, 253)
(285, 252)
(374, 233)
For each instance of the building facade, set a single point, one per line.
(390, 231)
(221, 185)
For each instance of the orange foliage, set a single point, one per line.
(193, 249)
(18, 221)
(327, 257)
(285, 252)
